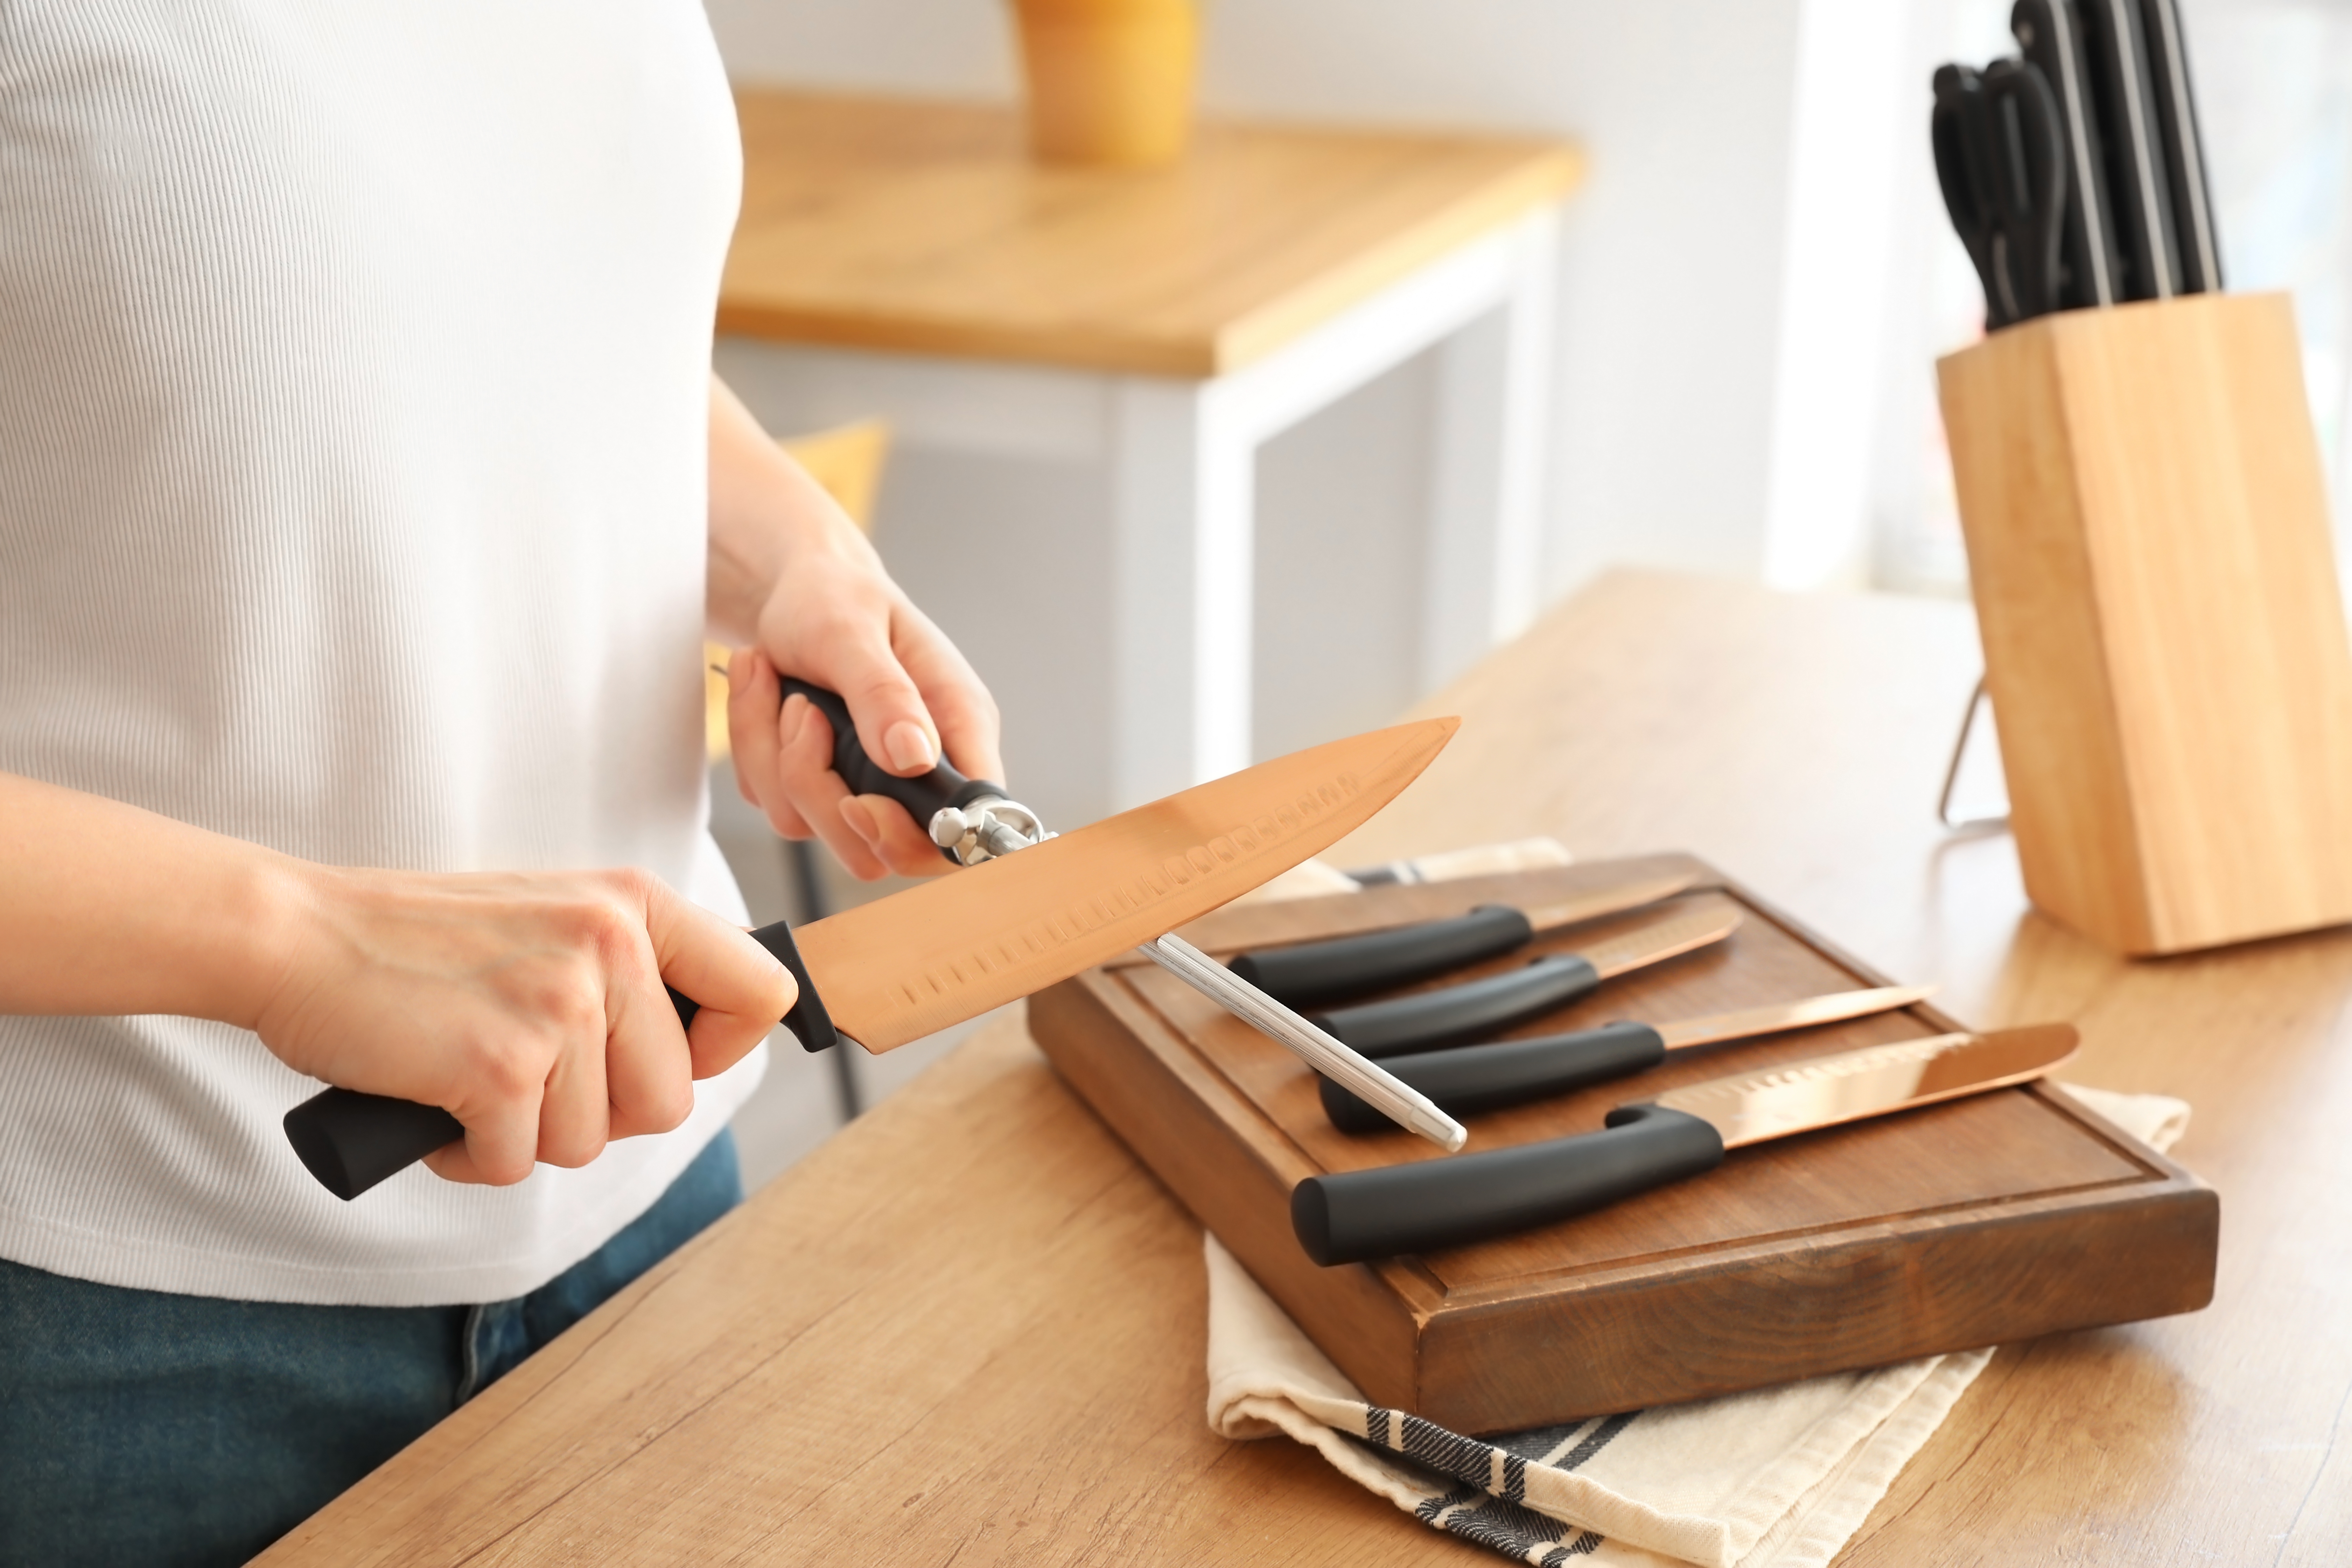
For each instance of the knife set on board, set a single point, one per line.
(1596, 1248)
(2074, 172)
(2147, 529)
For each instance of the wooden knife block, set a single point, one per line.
(2149, 539)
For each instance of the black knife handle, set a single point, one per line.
(1453, 1013)
(351, 1140)
(2050, 33)
(1433, 1203)
(924, 796)
(1313, 973)
(1487, 1077)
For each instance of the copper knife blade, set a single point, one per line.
(1616, 900)
(1782, 1016)
(907, 965)
(1821, 1091)
(1703, 921)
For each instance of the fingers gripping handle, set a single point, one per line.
(351, 1140)
(1433, 1203)
(924, 796)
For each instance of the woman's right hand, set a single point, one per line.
(530, 1006)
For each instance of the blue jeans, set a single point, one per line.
(138, 1426)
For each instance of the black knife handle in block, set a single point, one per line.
(1433, 1204)
(351, 1140)
(924, 796)
(1314, 972)
(1509, 1072)
(1453, 1013)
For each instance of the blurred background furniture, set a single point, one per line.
(908, 257)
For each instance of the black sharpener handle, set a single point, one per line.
(1453, 1013)
(1433, 1204)
(351, 1140)
(1314, 972)
(924, 796)
(1509, 1072)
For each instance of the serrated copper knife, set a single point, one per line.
(952, 948)
(1433, 1204)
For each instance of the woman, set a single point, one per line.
(366, 497)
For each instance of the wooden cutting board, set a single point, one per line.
(1976, 1222)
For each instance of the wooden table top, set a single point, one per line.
(924, 226)
(970, 1327)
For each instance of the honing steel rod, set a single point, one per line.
(1378, 1091)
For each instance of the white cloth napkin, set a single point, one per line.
(1779, 1477)
(1775, 1478)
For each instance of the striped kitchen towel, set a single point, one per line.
(1777, 1478)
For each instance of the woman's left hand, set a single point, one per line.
(827, 613)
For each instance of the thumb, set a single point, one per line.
(741, 988)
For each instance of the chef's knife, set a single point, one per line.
(2139, 195)
(1433, 1203)
(1509, 1072)
(2051, 34)
(1453, 1013)
(1312, 974)
(2184, 147)
(950, 949)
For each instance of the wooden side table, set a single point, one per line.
(905, 259)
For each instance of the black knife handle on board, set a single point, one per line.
(351, 1140)
(1509, 1072)
(924, 796)
(1432, 1203)
(1453, 1013)
(1313, 973)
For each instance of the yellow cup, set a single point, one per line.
(1110, 81)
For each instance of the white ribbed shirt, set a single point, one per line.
(353, 413)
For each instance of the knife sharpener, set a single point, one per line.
(351, 1141)
(971, 820)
